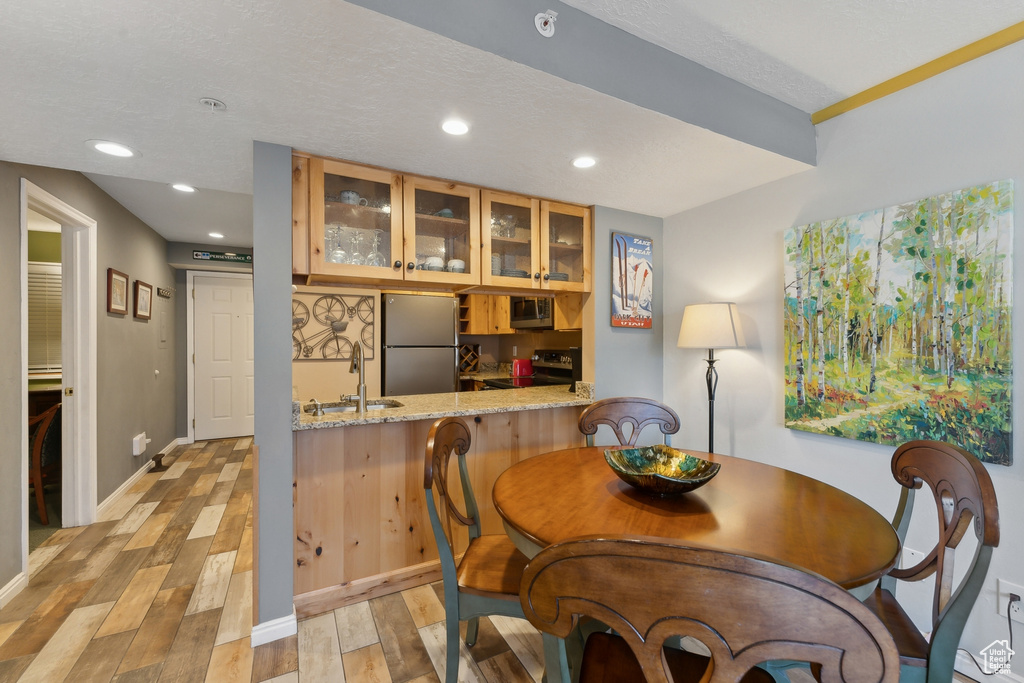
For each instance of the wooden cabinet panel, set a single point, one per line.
(567, 310)
(501, 311)
(300, 215)
(361, 522)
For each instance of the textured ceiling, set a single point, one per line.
(331, 78)
(808, 53)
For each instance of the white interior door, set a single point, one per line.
(223, 343)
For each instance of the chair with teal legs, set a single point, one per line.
(965, 499)
(485, 581)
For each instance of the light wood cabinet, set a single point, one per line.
(355, 221)
(567, 311)
(442, 232)
(565, 262)
(365, 225)
(509, 238)
(484, 314)
(501, 315)
(474, 314)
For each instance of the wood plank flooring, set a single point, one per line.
(160, 590)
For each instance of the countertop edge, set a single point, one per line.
(445, 405)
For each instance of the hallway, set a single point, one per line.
(157, 589)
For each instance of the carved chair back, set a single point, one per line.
(637, 412)
(746, 610)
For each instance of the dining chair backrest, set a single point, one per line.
(745, 610)
(449, 436)
(628, 410)
(964, 499)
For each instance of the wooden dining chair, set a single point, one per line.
(745, 610)
(486, 579)
(964, 498)
(628, 410)
(44, 451)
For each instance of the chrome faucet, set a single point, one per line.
(357, 366)
(318, 410)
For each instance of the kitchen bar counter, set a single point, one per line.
(433, 406)
(361, 524)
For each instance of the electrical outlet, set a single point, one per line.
(1003, 590)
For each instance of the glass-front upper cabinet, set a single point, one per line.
(511, 250)
(565, 255)
(442, 231)
(355, 220)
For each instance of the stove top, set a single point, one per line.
(519, 382)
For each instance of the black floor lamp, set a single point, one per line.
(711, 326)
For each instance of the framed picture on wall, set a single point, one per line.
(117, 292)
(143, 300)
(632, 281)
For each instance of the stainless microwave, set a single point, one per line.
(530, 312)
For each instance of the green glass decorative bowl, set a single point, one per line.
(660, 470)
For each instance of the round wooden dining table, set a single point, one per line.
(749, 507)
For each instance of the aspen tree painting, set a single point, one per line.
(898, 323)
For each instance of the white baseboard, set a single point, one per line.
(13, 587)
(968, 668)
(275, 629)
(101, 509)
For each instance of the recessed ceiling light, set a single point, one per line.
(583, 162)
(182, 187)
(112, 148)
(216, 235)
(455, 127)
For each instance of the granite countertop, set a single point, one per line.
(433, 406)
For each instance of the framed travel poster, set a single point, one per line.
(898, 323)
(632, 281)
(117, 292)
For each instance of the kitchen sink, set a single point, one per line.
(352, 406)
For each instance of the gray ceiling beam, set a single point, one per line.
(594, 54)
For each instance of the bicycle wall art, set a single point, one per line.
(325, 326)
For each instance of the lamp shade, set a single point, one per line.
(711, 326)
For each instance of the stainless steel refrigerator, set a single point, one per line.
(419, 349)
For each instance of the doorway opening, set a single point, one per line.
(77, 384)
(220, 342)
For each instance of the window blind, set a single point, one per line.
(44, 288)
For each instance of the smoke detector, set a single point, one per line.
(212, 104)
(545, 23)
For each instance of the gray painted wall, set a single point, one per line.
(179, 256)
(132, 397)
(272, 292)
(956, 130)
(626, 362)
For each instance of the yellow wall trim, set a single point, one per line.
(979, 48)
